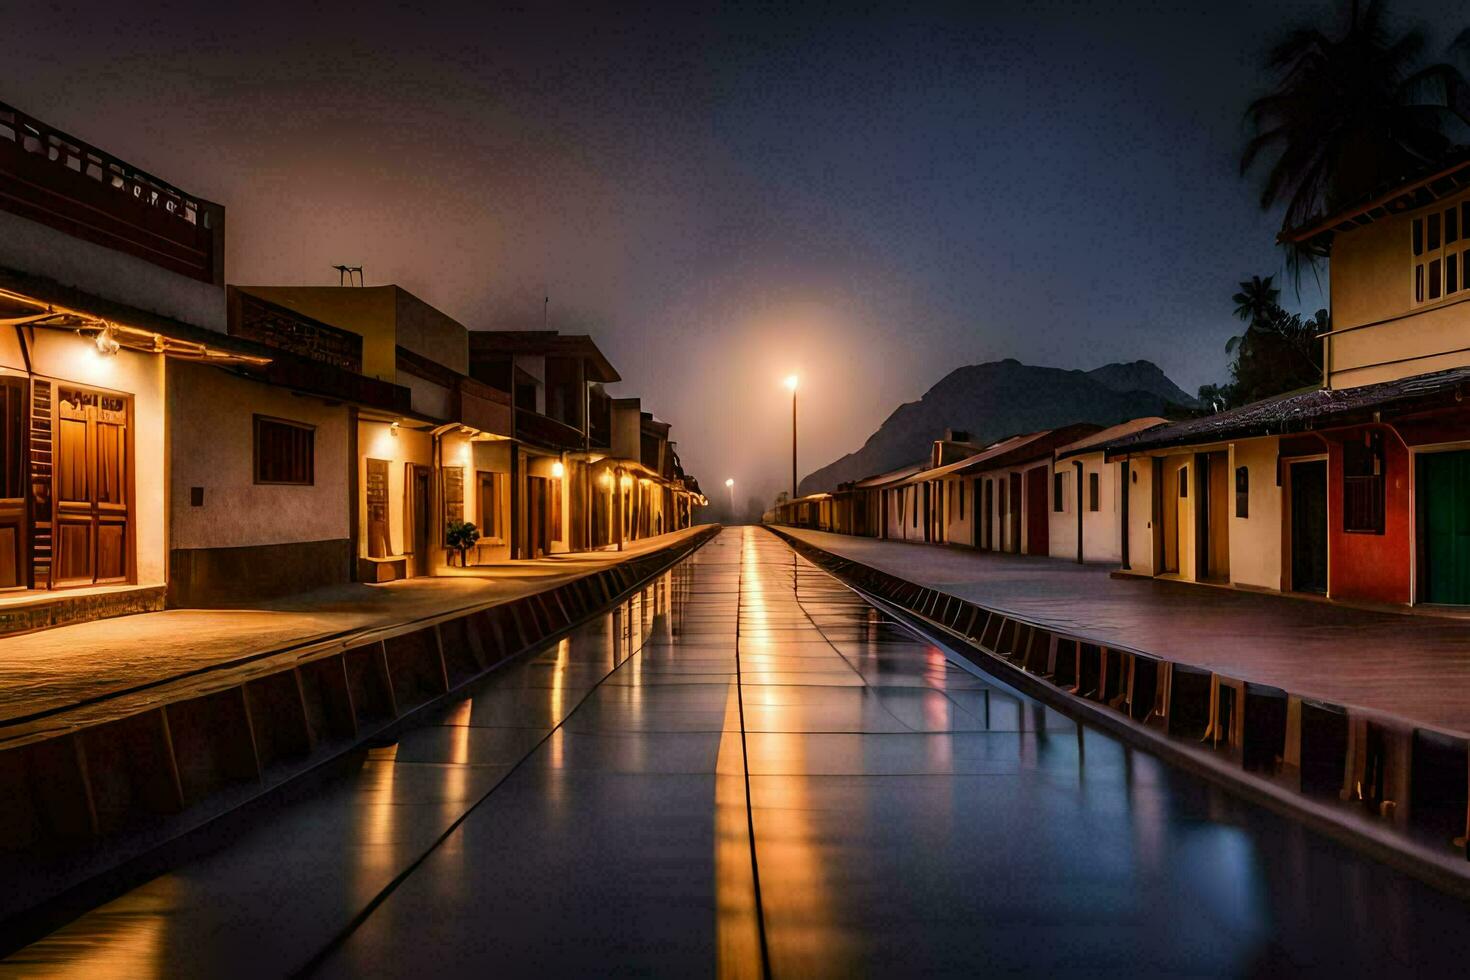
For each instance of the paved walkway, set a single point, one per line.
(748, 771)
(55, 669)
(1416, 667)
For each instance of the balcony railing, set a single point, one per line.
(54, 179)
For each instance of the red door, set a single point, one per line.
(1037, 513)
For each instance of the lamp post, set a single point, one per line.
(730, 488)
(791, 382)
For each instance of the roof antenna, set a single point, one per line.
(345, 275)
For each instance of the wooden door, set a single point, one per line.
(92, 480)
(1217, 535)
(418, 517)
(1309, 526)
(13, 524)
(1443, 488)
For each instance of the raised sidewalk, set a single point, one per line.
(1413, 667)
(98, 665)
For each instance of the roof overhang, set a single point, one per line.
(1408, 195)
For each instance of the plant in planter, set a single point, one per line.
(461, 537)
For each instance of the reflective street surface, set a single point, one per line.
(749, 770)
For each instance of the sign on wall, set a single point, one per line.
(379, 543)
(453, 494)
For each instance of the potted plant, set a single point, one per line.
(461, 536)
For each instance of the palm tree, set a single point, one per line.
(1256, 301)
(1352, 113)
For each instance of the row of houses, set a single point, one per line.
(173, 438)
(1358, 490)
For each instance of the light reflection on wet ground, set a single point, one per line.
(908, 817)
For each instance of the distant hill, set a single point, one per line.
(1002, 398)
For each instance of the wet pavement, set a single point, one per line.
(747, 770)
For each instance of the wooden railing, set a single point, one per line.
(57, 180)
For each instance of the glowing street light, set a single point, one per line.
(730, 486)
(791, 382)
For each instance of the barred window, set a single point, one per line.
(1242, 491)
(1093, 492)
(1058, 492)
(1362, 485)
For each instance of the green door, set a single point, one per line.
(1444, 494)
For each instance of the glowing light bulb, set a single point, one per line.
(791, 381)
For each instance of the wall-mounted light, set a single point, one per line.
(558, 470)
(106, 342)
(605, 479)
(626, 482)
(393, 429)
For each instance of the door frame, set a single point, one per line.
(1415, 503)
(1287, 462)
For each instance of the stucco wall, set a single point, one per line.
(1140, 516)
(31, 247)
(1255, 540)
(1102, 528)
(1372, 281)
(426, 396)
(959, 524)
(212, 436)
(1062, 539)
(424, 330)
(63, 356)
(376, 441)
(1373, 567)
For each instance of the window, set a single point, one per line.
(1437, 240)
(284, 452)
(1242, 491)
(1058, 492)
(1184, 481)
(1362, 484)
(962, 499)
(915, 491)
(1093, 492)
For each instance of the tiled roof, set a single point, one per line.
(1303, 412)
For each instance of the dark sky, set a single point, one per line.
(721, 196)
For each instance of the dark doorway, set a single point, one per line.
(1309, 526)
(987, 517)
(1013, 515)
(1038, 514)
(418, 519)
(1443, 490)
(537, 517)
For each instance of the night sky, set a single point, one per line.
(720, 196)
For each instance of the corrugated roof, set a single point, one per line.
(1303, 412)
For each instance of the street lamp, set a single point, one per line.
(791, 382)
(730, 486)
